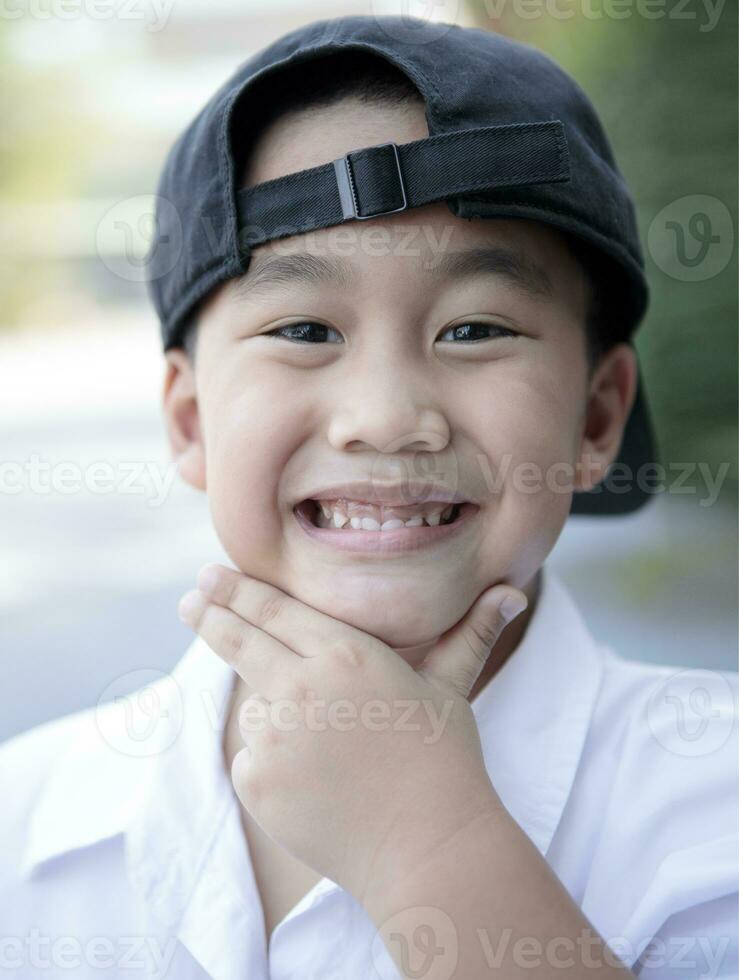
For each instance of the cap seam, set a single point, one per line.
(226, 181)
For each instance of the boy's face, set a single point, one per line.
(383, 389)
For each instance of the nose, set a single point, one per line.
(387, 408)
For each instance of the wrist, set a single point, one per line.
(446, 839)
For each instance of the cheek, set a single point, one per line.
(248, 441)
(540, 424)
(527, 427)
(530, 415)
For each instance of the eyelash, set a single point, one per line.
(502, 331)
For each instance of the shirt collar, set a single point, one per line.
(534, 714)
(117, 754)
(174, 801)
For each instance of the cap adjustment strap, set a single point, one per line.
(387, 178)
(376, 171)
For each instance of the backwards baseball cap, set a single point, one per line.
(510, 135)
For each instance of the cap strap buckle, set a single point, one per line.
(368, 179)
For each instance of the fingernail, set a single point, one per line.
(511, 606)
(208, 578)
(189, 606)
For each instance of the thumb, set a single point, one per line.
(461, 653)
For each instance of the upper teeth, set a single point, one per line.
(339, 514)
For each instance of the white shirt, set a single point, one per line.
(123, 853)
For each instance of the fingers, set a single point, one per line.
(265, 664)
(457, 660)
(293, 623)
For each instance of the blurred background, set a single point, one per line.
(93, 95)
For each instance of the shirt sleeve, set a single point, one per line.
(686, 925)
(696, 943)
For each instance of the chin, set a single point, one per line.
(402, 623)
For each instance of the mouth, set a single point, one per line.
(401, 532)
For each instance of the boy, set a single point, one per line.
(357, 769)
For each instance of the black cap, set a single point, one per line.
(510, 135)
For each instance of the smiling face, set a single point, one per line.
(417, 347)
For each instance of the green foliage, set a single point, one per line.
(46, 144)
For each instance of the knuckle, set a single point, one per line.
(464, 678)
(233, 642)
(270, 609)
(480, 637)
(230, 590)
(297, 693)
(348, 655)
(488, 633)
(268, 737)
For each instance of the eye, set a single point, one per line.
(466, 331)
(310, 332)
(304, 332)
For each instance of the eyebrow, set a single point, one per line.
(511, 266)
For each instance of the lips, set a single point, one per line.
(386, 494)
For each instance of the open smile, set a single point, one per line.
(391, 540)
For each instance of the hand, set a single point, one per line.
(353, 759)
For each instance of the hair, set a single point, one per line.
(372, 79)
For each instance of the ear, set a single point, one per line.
(611, 396)
(180, 407)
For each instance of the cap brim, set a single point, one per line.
(626, 487)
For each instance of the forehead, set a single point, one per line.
(428, 246)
